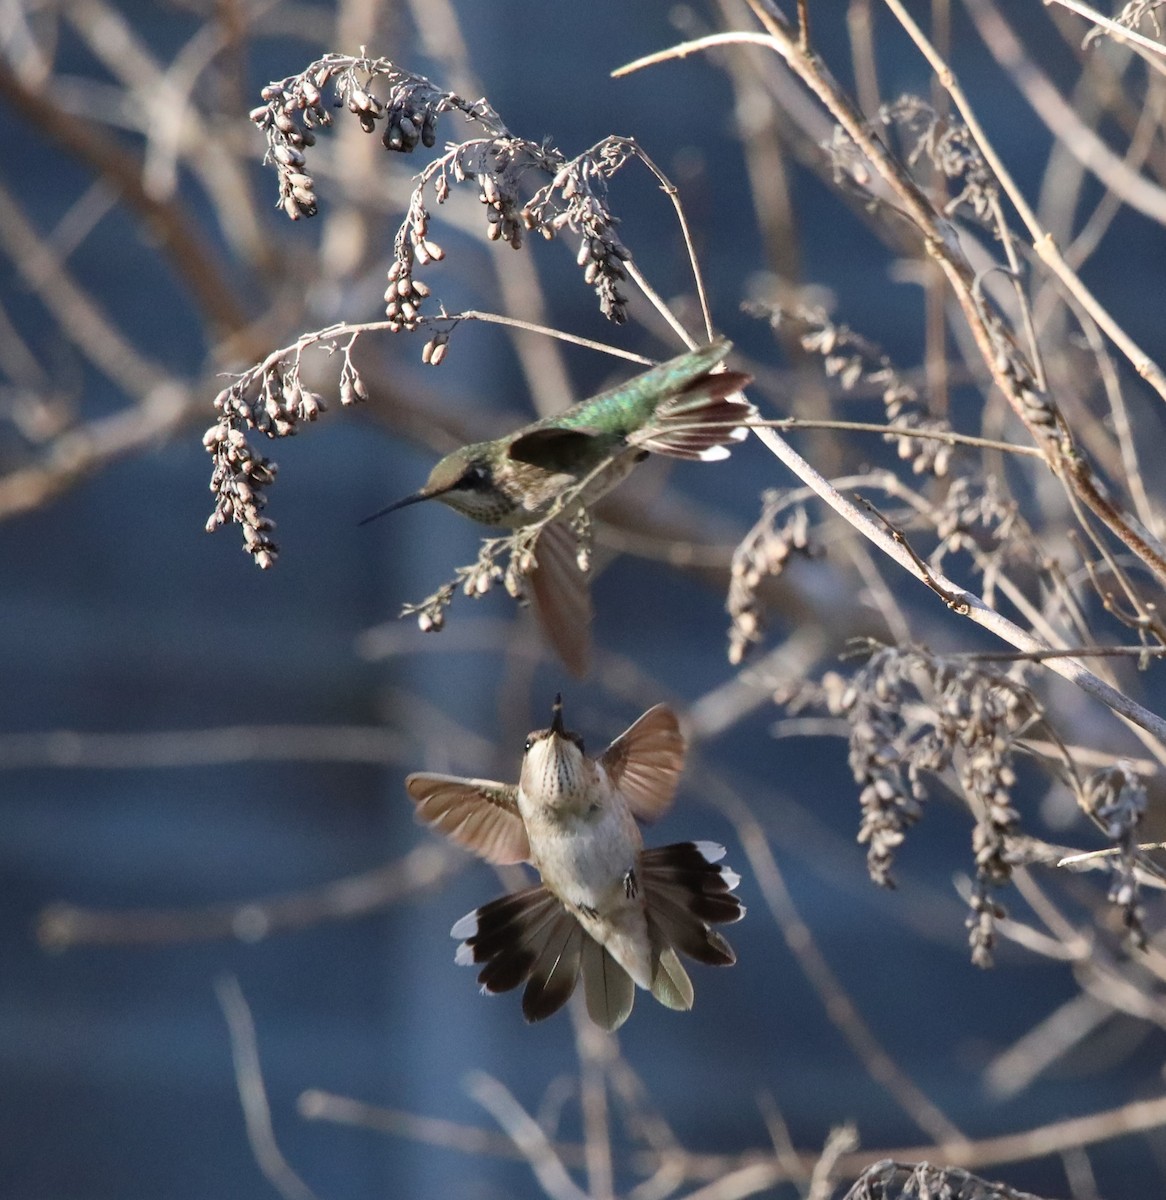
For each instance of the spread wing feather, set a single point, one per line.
(646, 760)
(478, 814)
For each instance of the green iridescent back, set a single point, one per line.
(628, 406)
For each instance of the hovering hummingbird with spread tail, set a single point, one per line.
(684, 408)
(606, 908)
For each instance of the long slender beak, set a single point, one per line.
(557, 717)
(413, 499)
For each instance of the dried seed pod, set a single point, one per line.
(287, 155)
(434, 350)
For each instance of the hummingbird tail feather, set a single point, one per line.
(510, 936)
(686, 892)
(607, 987)
(670, 982)
(525, 937)
(556, 969)
(698, 421)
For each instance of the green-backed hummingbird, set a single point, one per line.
(684, 408)
(606, 909)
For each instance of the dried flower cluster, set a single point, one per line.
(1116, 799)
(502, 165)
(972, 515)
(561, 194)
(272, 399)
(763, 552)
(853, 360)
(975, 513)
(576, 199)
(1131, 15)
(829, 694)
(295, 107)
(949, 147)
(889, 1180)
(913, 713)
(883, 758)
(975, 518)
(507, 560)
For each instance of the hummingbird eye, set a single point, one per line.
(474, 477)
(529, 743)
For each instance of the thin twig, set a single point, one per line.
(65, 926)
(1119, 33)
(955, 600)
(835, 1000)
(670, 190)
(840, 1141)
(978, 611)
(947, 436)
(1068, 651)
(526, 1135)
(66, 749)
(741, 1175)
(253, 1095)
(593, 1048)
(1043, 242)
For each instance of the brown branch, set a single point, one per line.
(65, 926)
(997, 348)
(189, 249)
(752, 1172)
(956, 601)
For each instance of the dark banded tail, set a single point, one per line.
(529, 938)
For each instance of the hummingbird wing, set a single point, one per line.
(698, 421)
(555, 449)
(645, 762)
(478, 814)
(607, 987)
(562, 599)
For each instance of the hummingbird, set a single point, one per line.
(607, 908)
(684, 408)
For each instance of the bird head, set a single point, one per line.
(463, 479)
(555, 767)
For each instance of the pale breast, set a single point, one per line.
(585, 858)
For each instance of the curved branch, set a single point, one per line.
(188, 248)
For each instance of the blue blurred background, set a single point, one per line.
(120, 616)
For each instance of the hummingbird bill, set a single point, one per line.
(686, 408)
(607, 909)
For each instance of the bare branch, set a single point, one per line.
(253, 1094)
